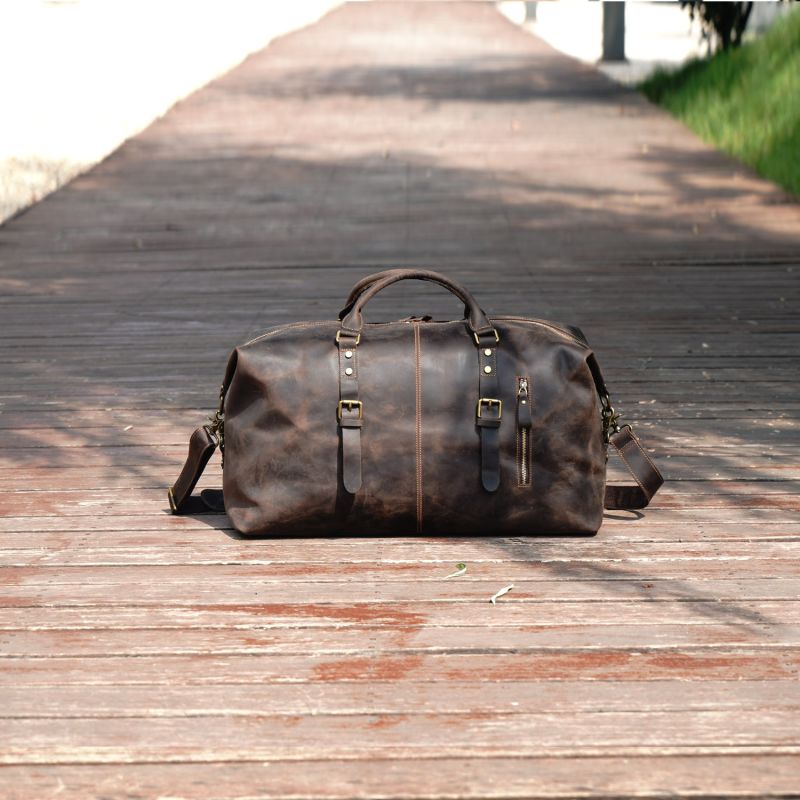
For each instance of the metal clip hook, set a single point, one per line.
(610, 418)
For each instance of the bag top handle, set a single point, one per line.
(353, 320)
(368, 281)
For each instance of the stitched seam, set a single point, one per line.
(282, 328)
(418, 414)
(635, 444)
(519, 440)
(547, 325)
(321, 323)
(316, 324)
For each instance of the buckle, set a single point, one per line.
(349, 404)
(339, 334)
(490, 401)
(478, 338)
(172, 504)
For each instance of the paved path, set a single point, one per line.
(145, 655)
(62, 113)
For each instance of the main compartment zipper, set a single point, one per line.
(418, 415)
(524, 425)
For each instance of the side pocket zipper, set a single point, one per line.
(524, 425)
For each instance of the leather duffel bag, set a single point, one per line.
(469, 426)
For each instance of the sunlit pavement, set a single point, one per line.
(81, 76)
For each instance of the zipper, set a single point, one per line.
(315, 324)
(524, 425)
(322, 323)
(418, 417)
(549, 326)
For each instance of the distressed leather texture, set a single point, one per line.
(409, 459)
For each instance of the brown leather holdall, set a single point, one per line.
(470, 426)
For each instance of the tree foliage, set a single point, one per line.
(723, 23)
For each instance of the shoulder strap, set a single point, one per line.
(201, 447)
(641, 467)
(618, 496)
(205, 440)
(629, 448)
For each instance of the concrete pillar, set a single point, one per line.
(613, 31)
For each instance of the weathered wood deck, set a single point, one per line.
(145, 655)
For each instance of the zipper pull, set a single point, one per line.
(524, 419)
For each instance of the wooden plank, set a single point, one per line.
(769, 579)
(398, 666)
(410, 636)
(150, 655)
(428, 697)
(64, 536)
(155, 739)
(283, 556)
(621, 585)
(630, 522)
(751, 614)
(150, 518)
(737, 775)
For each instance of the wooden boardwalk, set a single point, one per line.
(143, 655)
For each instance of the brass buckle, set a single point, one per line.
(490, 401)
(339, 333)
(350, 404)
(478, 338)
(172, 504)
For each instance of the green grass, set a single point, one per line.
(745, 101)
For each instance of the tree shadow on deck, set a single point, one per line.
(500, 78)
(638, 585)
(186, 256)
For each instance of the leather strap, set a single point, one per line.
(365, 283)
(350, 411)
(202, 444)
(201, 447)
(645, 473)
(359, 287)
(489, 408)
(353, 320)
(489, 411)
